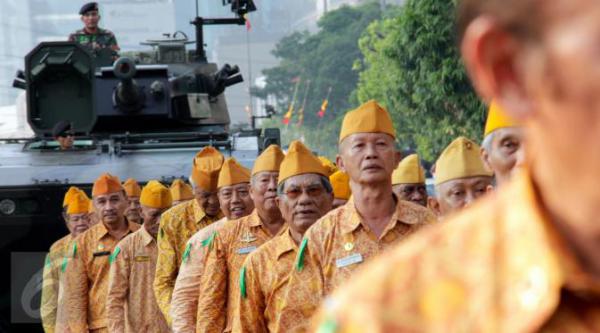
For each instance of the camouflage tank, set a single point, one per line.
(145, 116)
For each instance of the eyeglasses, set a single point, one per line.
(66, 134)
(311, 191)
(228, 194)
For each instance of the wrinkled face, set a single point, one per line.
(111, 207)
(209, 201)
(235, 200)
(151, 218)
(78, 223)
(368, 158)
(415, 193)
(134, 210)
(338, 203)
(65, 141)
(456, 194)
(303, 201)
(90, 19)
(263, 190)
(506, 153)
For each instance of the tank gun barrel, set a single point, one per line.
(128, 96)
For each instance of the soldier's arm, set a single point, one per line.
(305, 288)
(49, 303)
(249, 315)
(113, 43)
(211, 315)
(185, 294)
(118, 288)
(166, 267)
(76, 290)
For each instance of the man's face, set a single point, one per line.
(90, 19)
(263, 191)
(134, 211)
(368, 158)
(304, 201)
(235, 200)
(111, 207)
(65, 141)
(151, 218)
(415, 193)
(506, 153)
(77, 223)
(94, 218)
(209, 201)
(338, 203)
(457, 194)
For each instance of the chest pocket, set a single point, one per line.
(141, 258)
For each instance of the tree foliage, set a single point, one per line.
(412, 66)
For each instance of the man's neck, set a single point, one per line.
(375, 203)
(148, 231)
(90, 30)
(272, 220)
(117, 230)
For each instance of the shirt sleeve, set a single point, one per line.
(166, 267)
(49, 303)
(212, 299)
(184, 302)
(249, 315)
(112, 42)
(305, 288)
(76, 291)
(118, 288)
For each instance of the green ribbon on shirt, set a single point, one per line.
(186, 253)
(113, 256)
(301, 253)
(208, 242)
(243, 282)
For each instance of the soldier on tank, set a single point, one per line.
(92, 36)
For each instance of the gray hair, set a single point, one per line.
(486, 144)
(324, 181)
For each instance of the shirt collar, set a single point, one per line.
(284, 243)
(254, 220)
(199, 213)
(146, 237)
(104, 232)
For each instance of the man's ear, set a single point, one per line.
(485, 157)
(434, 205)
(340, 162)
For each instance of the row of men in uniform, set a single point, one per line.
(241, 250)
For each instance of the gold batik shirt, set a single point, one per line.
(219, 282)
(51, 278)
(86, 279)
(333, 248)
(131, 306)
(499, 266)
(177, 225)
(263, 282)
(184, 302)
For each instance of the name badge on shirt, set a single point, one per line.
(246, 250)
(349, 260)
(141, 258)
(101, 253)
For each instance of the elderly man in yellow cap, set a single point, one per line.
(408, 181)
(133, 191)
(526, 258)
(304, 196)
(86, 276)
(228, 247)
(341, 188)
(181, 192)
(235, 200)
(460, 177)
(179, 223)
(131, 306)
(502, 148)
(75, 214)
(372, 220)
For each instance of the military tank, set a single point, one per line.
(144, 115)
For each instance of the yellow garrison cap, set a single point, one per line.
(132, 188)
(181, 191)
(409, 171)
(71, 192)
(233, 173)
(79, 204)
(92, 209)
(156, 195)
(269, 160)
(205, 171)
(106, 184)
(300, 160)
(497, 118)
(461, 159)
(331, 168)
(367, 118)
(340, 181)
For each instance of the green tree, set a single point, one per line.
(412, 65)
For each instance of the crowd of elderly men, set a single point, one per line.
(508, 241)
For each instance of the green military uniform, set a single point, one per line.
(103, 38)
